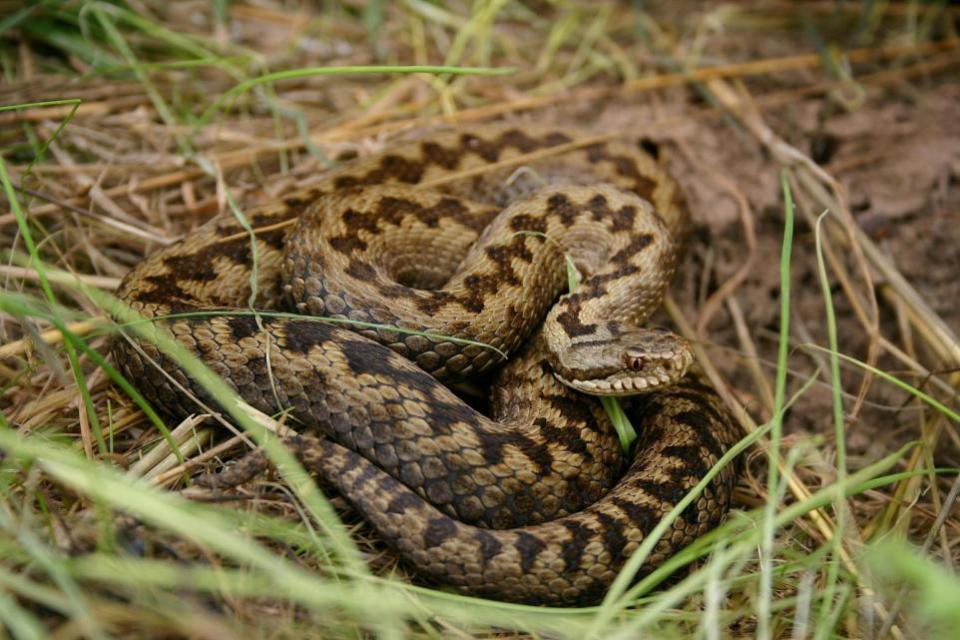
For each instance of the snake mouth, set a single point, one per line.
(638, 361)
(642, 373)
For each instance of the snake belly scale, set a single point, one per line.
(533, 503)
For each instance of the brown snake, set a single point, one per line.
(531, 504)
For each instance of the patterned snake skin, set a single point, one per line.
(449, 236)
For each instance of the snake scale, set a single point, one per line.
(465, 234)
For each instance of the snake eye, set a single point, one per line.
(636, 362)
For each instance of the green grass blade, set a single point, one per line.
(827, 622)
(776, 427)
(307, 72)
(37, 264)
(934, 591)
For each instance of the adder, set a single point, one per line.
(440, 257)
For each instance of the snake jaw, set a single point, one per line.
(657, 358)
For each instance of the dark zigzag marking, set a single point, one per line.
(529, 547)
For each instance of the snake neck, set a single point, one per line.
(594, 336)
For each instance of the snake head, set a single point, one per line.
(626, 363)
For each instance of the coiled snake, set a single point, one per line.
(445, 236)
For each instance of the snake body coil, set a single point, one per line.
(529, 504)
